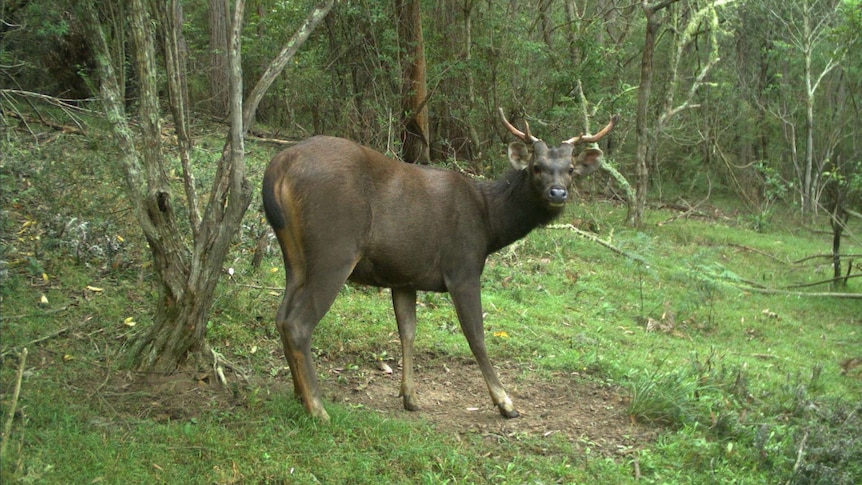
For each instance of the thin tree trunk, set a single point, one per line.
(642, 131)
(169, 251)
(186, 281)
(475, 146)
(218, 73)
(175, 65)
(646, 136)
(415, 147)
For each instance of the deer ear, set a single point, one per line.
(519, 155)
(589, 160)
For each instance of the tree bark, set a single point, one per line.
(644, 134)
(218, 72)
(415, 146)
(186, 279)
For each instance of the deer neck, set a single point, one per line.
(514, 209)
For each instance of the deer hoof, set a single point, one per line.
(410, 403)
(320, 415)
(509, 414)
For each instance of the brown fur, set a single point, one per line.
(342, 211)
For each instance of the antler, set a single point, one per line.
(527, 137)
(594, 138)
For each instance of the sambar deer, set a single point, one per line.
(344, 212)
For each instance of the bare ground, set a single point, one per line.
(451, 391)
(455, 400)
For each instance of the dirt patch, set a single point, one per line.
(452, 395)
(454, 399)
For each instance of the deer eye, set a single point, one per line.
(537, 169)
(571, 170)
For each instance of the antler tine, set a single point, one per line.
(527, 137)
(594, 138)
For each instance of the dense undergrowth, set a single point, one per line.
(743, 384)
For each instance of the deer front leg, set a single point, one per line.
(404, 302)
(467, 298)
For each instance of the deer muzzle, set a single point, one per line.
(557, 196)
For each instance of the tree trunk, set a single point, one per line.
(475, 146)
(415, 146)
(642, 132)
(186, 279)
(170, 255)
(646, 135)
(838, 220)
(218, 72)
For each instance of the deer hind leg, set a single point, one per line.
(301, 310)
(404, 302)
(468, 305)
(280, 322)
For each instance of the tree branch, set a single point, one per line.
(7, 427)
(277, 65)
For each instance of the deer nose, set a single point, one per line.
(557, 195)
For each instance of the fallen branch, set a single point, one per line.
(763, 253)
(277, 141)
(38, 340)
(40, 313)
(258, 287)
(7, 427)
(594, 238)
(218, 368)
(827, 256)
(799, 454)
(771, 291)
(685, 212)
(823, 282)
(220, 362)
(60, 127)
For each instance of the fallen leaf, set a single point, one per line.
(95, 289)
(384, 367)
(130, 322)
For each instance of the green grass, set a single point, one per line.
(740, 383)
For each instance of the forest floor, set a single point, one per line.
(589, 414)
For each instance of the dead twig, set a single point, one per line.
(277, 141)
(41, 313)
(258, 287)
(826, 256)
(7, 427)
(799, 454)
(218, 368)
(594, 238)
(771, 291)
(823, 282)
(762, 253)
(691, 209)
(107, 377)
(39, 340)
(220, 362)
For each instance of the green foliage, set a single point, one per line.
(774, 188)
